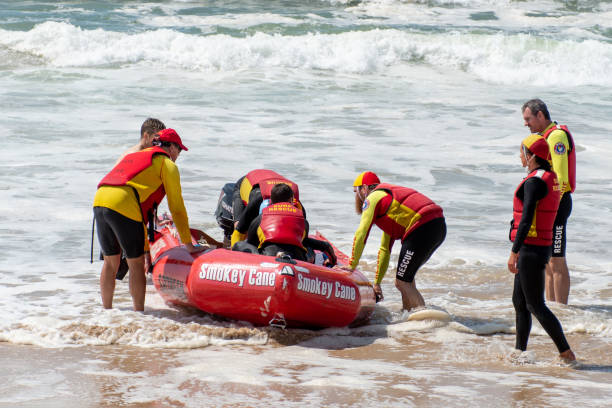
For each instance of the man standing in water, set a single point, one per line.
(402, 213)
(563, 153)
(125, 201)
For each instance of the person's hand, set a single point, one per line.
(378, 293)
(164, 220)
(331, 255)
(513, 263)
(194, 248)
(344, 268)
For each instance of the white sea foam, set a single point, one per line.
(497, 58)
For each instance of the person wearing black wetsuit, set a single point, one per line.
(535, 206)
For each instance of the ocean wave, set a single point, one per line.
(495, 58)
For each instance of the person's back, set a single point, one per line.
(281, 227)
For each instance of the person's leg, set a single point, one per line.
(131, 237)
(531, 273)
(550, 283)
(111, 255)
(522, 315)
(138, 282)
(411, 297)
(107, 279)
(560, 278)
(417, 248)
(557, 272)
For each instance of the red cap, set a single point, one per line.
(366, 178)
(170, 135)
(537, 145)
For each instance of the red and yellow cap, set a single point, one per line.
(366, 178)
(170, 135)
(537, 145)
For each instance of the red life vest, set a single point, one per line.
(266, 179)
(130, 166)
(541, 230)
(571, 154)
(408, 210)
(282, 223)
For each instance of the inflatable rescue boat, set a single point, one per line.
(260, 289)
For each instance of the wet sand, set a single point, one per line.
(305, 368)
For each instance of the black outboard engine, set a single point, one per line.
(224, 212)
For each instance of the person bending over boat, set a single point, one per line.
(281, 227)
(404, 214)
(148, 131)
(249, 193)
(126, 200)
(536, 200)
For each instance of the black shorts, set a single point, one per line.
(117, 232)
(418, 247)
(560, 226)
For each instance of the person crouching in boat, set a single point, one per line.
(281, 227)
(535, 205)
(125, 201)
(250, 192)
(404, 214)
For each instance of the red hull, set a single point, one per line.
(259, 289)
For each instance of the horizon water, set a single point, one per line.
(427, 94)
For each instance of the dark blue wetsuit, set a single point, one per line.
(528, 294)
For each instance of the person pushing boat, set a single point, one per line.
(126, 200)
(403, 214)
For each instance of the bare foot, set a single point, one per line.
(568, 356)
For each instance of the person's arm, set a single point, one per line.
(367, 219)
(171, 180)
(534, 189)
(250, 212)
(323, 246)
(558, 143)
(252, 235)
(384, 253)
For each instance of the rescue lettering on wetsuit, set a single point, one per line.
(236, 276)
(326, 289)
(558, 239)
(404, 264)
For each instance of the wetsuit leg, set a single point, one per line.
(560, 226)
(116, 230)
(529, 294)
(418, 247)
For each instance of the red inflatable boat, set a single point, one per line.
(259, 289)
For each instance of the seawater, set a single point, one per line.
(425, 93)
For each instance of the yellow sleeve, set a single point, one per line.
(361, 235)
(384, 253)
(559, 151)
(172, 185)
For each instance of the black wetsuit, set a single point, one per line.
(528, 294)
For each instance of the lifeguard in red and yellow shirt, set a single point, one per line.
(403, 214)
(563, 160)
(126, 199)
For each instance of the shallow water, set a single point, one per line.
(425, 93)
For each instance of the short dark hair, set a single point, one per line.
(536, 105)
(151, 125)
(281, 193)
